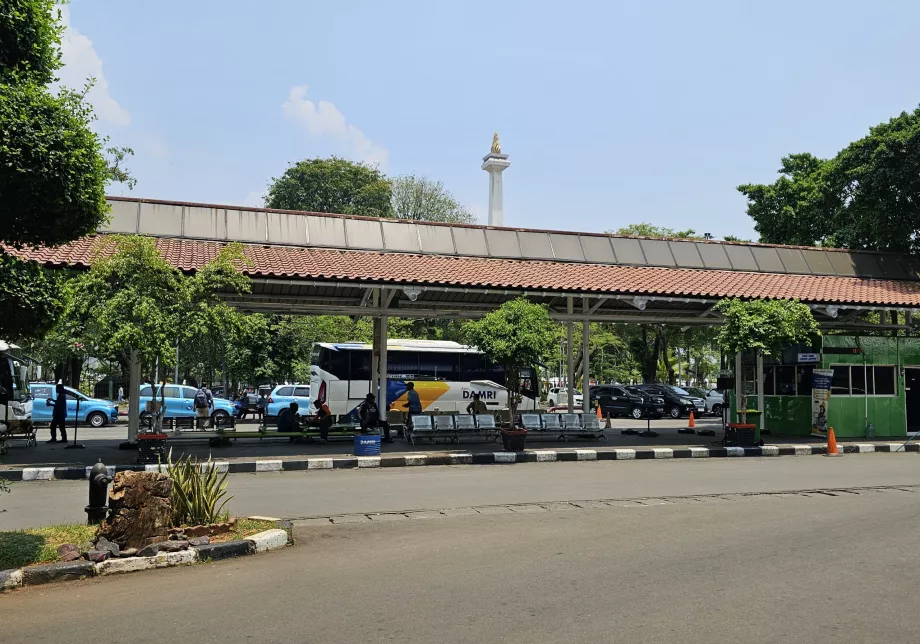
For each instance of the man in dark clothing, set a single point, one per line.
(59, 415)
(369, 413)
(287, 419)
(325, 419)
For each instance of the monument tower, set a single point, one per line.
(495, 163)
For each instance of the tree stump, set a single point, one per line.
(140, 509)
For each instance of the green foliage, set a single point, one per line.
(30, 39)
(28, 296)
(866, 197)
(132, 298)
(422, 199)
(52, 172)
(764, 325)
(128, 299)
(199, 491)
(732, 238)
(332, 185)
(651, 230)
(517, 335)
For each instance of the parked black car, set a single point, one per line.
(619, 400)
(677, 401)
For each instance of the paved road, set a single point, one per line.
(318, 493)
(766, 569)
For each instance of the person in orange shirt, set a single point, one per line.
(325, 419)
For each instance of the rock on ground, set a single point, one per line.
(139, 509)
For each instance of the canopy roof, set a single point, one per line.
(321, 263)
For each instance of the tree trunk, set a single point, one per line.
(666, 360)
(76, 370)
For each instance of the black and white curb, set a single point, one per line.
(472, 458)
(35, 575)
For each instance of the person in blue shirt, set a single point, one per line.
(414, 403)
(59, 415)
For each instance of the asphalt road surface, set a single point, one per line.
(327, 492)
(762, 568)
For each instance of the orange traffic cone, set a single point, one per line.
(831, 443)
(692, 423)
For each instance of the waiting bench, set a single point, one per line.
(451, 427)
(562, 426)
(24, 430)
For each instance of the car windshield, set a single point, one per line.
(696, 391)
(680, 392)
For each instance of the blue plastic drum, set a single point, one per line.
(367, 445)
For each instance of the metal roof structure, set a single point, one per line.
(315, 263)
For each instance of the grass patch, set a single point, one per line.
(20, 548)
(243, 529)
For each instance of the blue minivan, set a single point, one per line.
(283, 395)
(180, 403)
(93, 411)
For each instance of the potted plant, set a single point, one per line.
(517, 335)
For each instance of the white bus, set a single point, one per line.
(446, 375)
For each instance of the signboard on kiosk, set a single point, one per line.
(821, 380)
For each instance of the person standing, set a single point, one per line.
(477, 406)
(413, 404)
(325, 419)
(121, 394)
(59, 414)
(261, 407)
(203, 403)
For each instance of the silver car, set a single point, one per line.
(713, 398)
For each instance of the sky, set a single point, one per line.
(612, 112)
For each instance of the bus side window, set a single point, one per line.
(337, 364)
(360, 364)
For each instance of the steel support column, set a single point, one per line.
(134, 391)
(759, 378)
(570, 374)
(585, 359)
(382, 399)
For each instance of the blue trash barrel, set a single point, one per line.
(367, 445)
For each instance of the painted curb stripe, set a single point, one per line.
(470, 458)
(268, 466)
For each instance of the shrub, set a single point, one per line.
(198, 492)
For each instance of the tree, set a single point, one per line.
(27, 298)
(422, 199)
(651, 230)
(517, 335)
(733, 238)
(52, 166)
(866, 197)
(132, 298)
(764, 326)
(30, 37)
(332, 185)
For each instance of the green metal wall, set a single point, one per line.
(848, 415)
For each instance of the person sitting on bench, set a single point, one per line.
(287, 419)
(369, 414)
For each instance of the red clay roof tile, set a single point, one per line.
(322, 264)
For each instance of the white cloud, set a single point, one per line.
(323, 118)
(81, 62)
